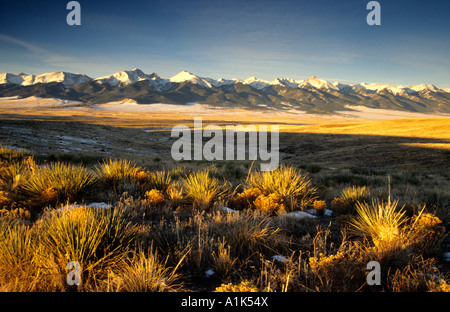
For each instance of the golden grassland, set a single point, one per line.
(348, 192)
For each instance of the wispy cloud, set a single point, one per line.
(36, 52)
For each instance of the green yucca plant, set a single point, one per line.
(113, 173)
(95, 238)
(289, 183)
(57, 182)
(201, 189)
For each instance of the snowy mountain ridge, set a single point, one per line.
(126, 77)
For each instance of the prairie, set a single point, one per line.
(348, 191)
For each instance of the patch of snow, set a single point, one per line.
(447, 256)
(229, 210)
(318, 84)
(101, 205)
(256, 83)
(187, 76)
(209, 273)
(377, 113)
(299, 215)
(326, 213)
(280, 258)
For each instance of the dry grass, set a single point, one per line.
(288, 183)
(182, 230)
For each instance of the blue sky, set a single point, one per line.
(232, 39)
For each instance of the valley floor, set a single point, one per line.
(251, 245)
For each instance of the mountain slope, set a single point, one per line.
(311, 95)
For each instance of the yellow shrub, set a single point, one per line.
(244, 286)
(338, 272)
(4, 200)
(320, 206)
(246, 198)
(154, 197)
(271, 204)
(141, 175)
(20, 213)
(428, 232)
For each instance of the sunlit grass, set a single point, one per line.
(114, 173)
(294, 187)
(201, 189)
(57, 182)
(96, 239)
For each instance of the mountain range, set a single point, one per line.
(310, 95)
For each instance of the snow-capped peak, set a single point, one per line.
(125, 77)
(318, 83)
(286, 82)
(256, 83)
(187, 76)
(67, 79)
(378, 87)
(424, 87)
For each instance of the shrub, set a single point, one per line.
(57, 182)
(4, 199)
(320, 206)
(247, 197)
(338, 272)
(290, 184)
(428, 232)
(271, 204)
(243, 286)
(154, 197)
(201, 189)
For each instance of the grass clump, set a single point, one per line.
(294, 187)
(144, 272)
(95, 238)
(382, 224)
(349, 197)
(201, 189)
(16, 257)
(115, 173)
(57, 182)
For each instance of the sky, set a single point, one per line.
(232, 39)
